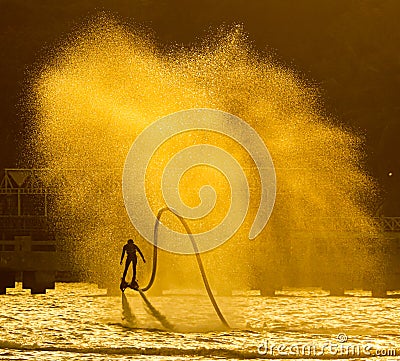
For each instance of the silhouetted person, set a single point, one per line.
(130, 248)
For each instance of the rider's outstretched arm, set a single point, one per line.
(141, 254)
(122, 255)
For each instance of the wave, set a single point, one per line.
(180, 352)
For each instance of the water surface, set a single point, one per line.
(79, 322)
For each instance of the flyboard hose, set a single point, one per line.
(198, 258)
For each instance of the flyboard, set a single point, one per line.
(124, 285)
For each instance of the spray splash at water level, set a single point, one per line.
(106, 84)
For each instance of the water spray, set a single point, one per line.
(101, 89)
(127, 313)
(154, 312)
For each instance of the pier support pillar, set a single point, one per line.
(7, 280)
(38, 281)
(379, 291)
(336, 291)
(267, 291)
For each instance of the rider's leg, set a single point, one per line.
(134, 262)
(127, 262)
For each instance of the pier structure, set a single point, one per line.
(28, 250)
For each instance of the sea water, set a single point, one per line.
(78, 321)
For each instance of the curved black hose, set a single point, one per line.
(155, 248)
(198, 258)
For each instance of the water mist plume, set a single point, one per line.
(106, 83)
